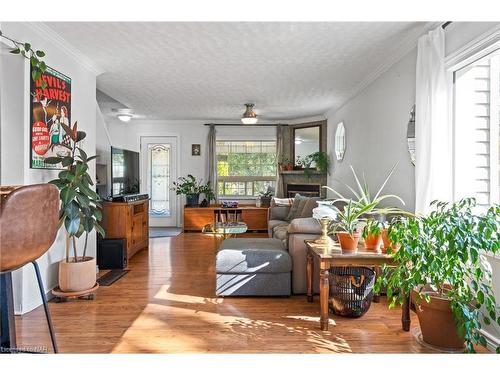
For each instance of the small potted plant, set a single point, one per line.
(362, 207)
(80, 213)
(208, 192)
(440, 264)
(190, 187)
(372, 234)
(265, 197)
(284, 165)
(387, 245)
(321, 160)
(348, 220)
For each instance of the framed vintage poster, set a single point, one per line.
(50, 108)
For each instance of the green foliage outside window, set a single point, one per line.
(253, 161)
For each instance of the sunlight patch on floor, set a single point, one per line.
(191, 328)
(164, 294)
(311, 319)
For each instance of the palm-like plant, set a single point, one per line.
(350, 216)
(363, 196)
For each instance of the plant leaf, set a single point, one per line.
(67, 194)
(80, 135)
(53, 160)
(72, 225)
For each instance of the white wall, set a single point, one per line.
(103, 150)
(375, 126)
(15, 132)
(376, 119)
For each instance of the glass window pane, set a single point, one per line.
(245, 159)
(159, 179)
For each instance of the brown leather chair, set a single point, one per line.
(29, 219)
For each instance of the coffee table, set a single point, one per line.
(226, 229)
(333, 257)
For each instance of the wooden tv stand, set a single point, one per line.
(128, 220)
(195, 218)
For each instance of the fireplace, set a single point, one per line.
(305, 189)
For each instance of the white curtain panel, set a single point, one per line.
(433, 173)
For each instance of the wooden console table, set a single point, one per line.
(128, 220)
(333, 257)
(195, 218)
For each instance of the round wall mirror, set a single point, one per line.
(410, 136)
(340, 141)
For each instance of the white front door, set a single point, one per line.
(159, 161)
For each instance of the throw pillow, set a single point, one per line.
(307, 211)
(298, 202)
(282, 202)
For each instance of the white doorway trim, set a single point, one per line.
(175, 171)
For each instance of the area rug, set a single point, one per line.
(164, 232)
(110, 277)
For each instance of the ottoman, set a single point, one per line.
(253, 267)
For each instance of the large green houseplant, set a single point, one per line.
(440, 263)
(192, 188)
(80, 213)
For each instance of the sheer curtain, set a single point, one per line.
(433, 167)
(279, 158)
(212, 161)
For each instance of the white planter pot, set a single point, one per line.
(77, 276)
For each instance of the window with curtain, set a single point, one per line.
(476, 130)
(245, 168)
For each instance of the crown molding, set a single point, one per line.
(404, 47)
(482, 45)
(49, 34)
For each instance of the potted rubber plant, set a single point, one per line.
(80, 213)
(442, 266)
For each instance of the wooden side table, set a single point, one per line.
(333, 257)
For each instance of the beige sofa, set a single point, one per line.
(293, 233)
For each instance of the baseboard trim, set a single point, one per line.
(492, 342)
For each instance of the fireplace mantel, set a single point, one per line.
(299, 177)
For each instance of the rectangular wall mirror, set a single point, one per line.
(306, 141)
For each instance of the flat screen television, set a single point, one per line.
(125, 175)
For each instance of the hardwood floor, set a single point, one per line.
(166, 304)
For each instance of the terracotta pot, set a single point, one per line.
(436, 322)
(77, 276)
(347, 243)
(373, 242)
(387, 243)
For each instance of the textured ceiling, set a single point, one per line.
(209, 70)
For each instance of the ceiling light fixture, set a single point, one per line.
(125, 117)
(249, 117)
(124, 114)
